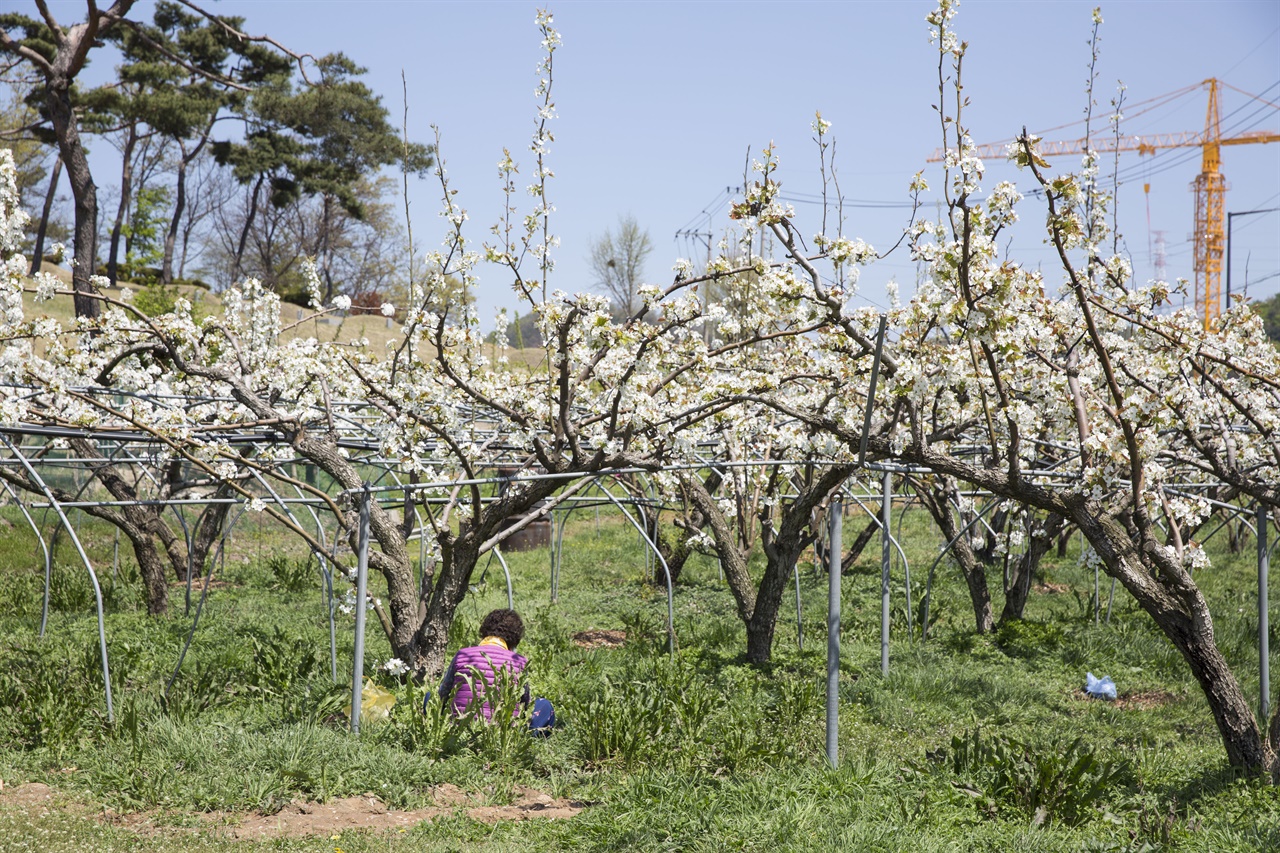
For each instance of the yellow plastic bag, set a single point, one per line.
(375, 703)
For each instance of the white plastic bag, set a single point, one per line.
(1099, 688)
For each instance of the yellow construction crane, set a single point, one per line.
(1210, 187)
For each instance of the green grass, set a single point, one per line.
(970, 743)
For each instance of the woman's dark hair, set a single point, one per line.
(504, 624)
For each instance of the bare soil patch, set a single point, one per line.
(197, 584)
(27, 795)
(1051, 588)
(599, 638)
(1145, 700)
(301, 819)
(1139, 700)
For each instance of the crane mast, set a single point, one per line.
(1210, 189)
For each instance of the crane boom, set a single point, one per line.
(1145, 144)
(1210, 187)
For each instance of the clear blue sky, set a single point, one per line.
(659, 103)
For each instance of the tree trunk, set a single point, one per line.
(424, 644)
(821, 552)
(859, 545)
(430, 642)
(783, 544)
(1039, 541)
(37, 256)
(142, 525)
(1164, 590)
(155, 580)
(209, 530)
(326, 250)
(781, 561)
(171, 236)
(180, 202)
(238, 266)
(1161, 586)
(938, 501)
(85, 193)
(126, 196)
(674, 553)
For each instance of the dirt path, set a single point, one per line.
(309, 819)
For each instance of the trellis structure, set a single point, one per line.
(36, 448)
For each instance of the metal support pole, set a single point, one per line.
(886, 557)
(557, 551)
(834, 547)
(1097, 596)
(362, 586)
(1264, 651)
(564, 519)
(666, 570)
(799, 610)
(551, 552)
(93, 576)
(506, 573)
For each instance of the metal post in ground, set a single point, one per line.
(1097, 596)
(834, 547)
(362, 585)
(506, 573)
(1264, 651)
(886, 557)
(93, 576)
(799, 610)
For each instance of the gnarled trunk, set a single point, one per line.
(84, 191)
(781, 561)
(37, 256)
(938, 501)
(1164, 590)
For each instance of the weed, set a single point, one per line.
(702, 752)
(281, 661)
(290, 575)
(48, 699)
(1046, 783)
(1020, 638)
(618, 723)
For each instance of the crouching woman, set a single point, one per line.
(475, 669)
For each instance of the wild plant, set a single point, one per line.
(49, 698)
(618, 723)
(422, 723)
(209, 685)
(1048, 783)
(292, 575)
(502, 735)
(281, 665)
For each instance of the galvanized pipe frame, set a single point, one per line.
(93, 576)
(374, 460)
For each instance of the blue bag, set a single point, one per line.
(1099, 688)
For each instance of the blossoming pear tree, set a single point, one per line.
(52, 385)
(1081, 393)
(603, 396)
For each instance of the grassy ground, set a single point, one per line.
(970, 743)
